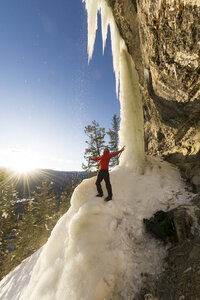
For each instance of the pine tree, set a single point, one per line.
(8, 197)
(46, 205)
(114, 140)
(65, 199)
(95, 143)
(27, 233)
(36, 222)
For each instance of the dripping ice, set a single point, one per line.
(130, 98)
(98, 250)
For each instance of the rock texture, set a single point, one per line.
(162, 37)
(172, 227)
(181, 273)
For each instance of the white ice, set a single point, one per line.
(99, 249)
(131, 127)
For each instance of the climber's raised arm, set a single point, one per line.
(95, 159)
(117, 152)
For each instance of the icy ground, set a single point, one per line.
(99, 249)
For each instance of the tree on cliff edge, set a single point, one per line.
(114, 140)
(95, 143)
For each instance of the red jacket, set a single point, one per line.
(105, 159)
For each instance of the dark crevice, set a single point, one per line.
(135, 5)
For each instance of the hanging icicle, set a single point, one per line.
(131, 128)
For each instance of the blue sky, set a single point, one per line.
(48, 92)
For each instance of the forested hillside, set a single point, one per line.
(26, 223)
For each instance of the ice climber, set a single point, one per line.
(103, 172)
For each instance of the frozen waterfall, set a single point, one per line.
(126, 82)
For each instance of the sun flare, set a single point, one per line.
(22, 161)
(23, 168)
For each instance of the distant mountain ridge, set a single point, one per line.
(26, 183)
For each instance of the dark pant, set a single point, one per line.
(103, 174)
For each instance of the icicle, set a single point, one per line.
(92, 9)
(116, 47)
(105, 17)
(131, 128)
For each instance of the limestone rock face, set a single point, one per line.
(162, 37)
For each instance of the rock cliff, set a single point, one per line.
(162, 37)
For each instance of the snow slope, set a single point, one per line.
(13, 284)
(99, 249)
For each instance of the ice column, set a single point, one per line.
(131, 127)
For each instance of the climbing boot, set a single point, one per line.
(108, 198)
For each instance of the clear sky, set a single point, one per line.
(48, 92)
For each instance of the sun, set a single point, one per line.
(23, 168)
(23, 165)
(22, 161)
